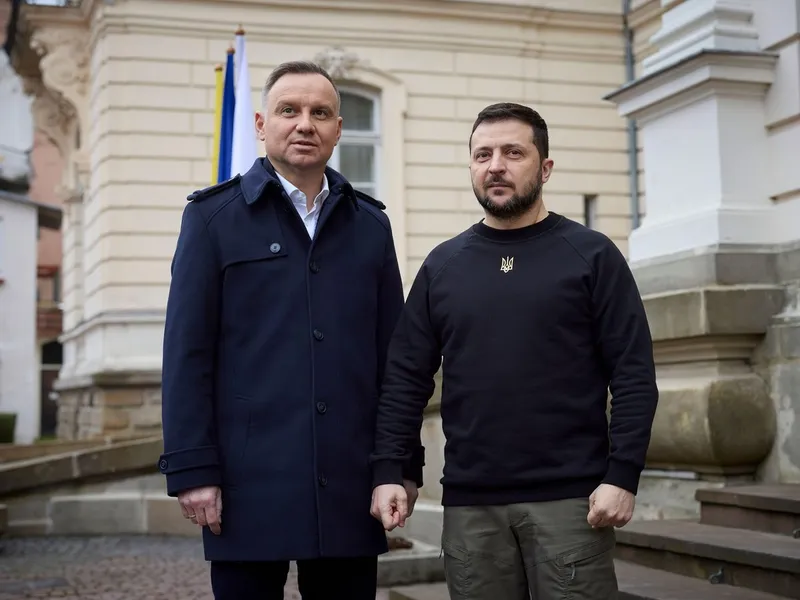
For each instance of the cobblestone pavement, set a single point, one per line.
(109, 568)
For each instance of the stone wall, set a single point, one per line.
(100, 409)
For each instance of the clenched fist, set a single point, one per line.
(390, 505)
(610, 506)
(203, 506)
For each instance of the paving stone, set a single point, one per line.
(109, 568)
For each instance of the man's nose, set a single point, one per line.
(305, 124)
(496, 165)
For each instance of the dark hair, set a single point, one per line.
(504, 111)
(296, 67)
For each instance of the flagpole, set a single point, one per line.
(237, 57)
(217, 124)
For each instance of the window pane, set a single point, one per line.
(357, 162)
(356, 112)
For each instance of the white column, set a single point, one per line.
(697, 25)
(699, 106)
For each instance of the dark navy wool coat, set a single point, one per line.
(274, 348)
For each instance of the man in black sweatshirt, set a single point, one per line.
(532, 318)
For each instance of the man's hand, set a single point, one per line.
(203, 506)
(610, 506)
(390, 505)
(412, 494)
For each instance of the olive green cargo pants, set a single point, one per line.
(538, 550)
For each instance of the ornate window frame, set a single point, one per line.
(353, 73)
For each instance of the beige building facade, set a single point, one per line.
(134, 81)
(129, 86)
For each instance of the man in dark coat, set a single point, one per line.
(285, 292)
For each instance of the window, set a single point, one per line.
(356, 155)
(590, 210)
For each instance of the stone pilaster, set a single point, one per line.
(699, 102)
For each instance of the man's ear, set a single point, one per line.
(547, 169)
(260, 121)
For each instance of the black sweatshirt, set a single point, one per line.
(530, 326)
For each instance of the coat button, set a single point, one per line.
(314, 267)
(318, 335)
(322, 408)
(163, 464)
(323, 481)
(275, 247)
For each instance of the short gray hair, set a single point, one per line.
(297, 67)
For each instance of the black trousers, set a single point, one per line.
(320, 579)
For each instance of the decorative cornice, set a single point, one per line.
(277, 34)
(114, 318)
(483, 11)
(727, 72)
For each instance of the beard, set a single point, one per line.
(516, 206)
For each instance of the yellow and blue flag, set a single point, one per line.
(234, 130)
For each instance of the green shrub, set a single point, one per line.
(8, 423)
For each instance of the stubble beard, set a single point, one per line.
(516, 206)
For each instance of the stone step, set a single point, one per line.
(28, 527)
(421, 563)
(773, 508)
(745, 558)
(423, 591)
(635, 583)
(643, 583)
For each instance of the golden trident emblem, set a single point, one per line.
(506, 264)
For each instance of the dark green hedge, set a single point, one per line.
(8, 422)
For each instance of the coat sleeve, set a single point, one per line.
(390, 305)
(627, 350)
(190, 457)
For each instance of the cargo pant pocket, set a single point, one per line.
(587, 572)
(456, 571)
